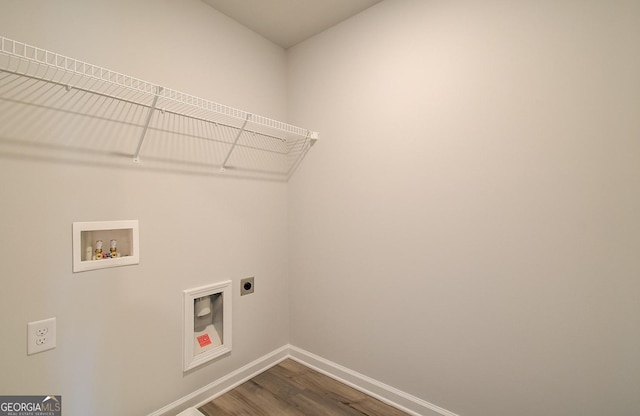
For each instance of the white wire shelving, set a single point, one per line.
(59, 103)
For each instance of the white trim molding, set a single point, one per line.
(225, 383)
(390, 395)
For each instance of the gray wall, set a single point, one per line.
(119, 343)
(467, 229)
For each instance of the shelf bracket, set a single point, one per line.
(310, 139)
(136, 156)
(226, 159)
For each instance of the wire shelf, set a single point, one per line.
(63, 103)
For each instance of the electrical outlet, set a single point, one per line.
(41, 336)
(246, 286)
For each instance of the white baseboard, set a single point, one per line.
(403, 401)
(225, 383)
(374, 388)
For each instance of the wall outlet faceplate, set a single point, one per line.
(247, 286)
(41, 336)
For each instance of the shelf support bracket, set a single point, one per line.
(226, 159)
(136, 156)
(310, 139)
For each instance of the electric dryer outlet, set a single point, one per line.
(247, 286)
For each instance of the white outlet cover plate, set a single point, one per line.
(41, 336)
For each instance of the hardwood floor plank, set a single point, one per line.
(312, 403)
(292, 389)
(283, 388)
(293, 379)
(371, 406)
(293, 367)
(330, 387)
(249, 399)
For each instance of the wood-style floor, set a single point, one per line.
(292, 389)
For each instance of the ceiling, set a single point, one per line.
(288, 22)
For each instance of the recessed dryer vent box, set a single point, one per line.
(103, 244)
(207, 323)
